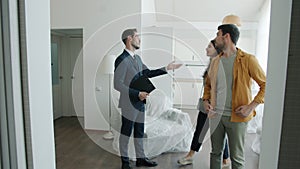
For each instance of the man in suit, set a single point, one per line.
(128, 68)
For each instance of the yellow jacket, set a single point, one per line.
(245, 68)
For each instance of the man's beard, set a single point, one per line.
(135, 46)
(220, 46)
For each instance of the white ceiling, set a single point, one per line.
(210, 10)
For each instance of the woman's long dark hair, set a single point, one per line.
(213, 42)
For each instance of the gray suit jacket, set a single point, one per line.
(126, 71)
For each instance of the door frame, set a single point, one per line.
(67, 63)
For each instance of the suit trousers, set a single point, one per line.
(132, 121)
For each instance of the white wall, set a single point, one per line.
(262, 46)
(102, 23)
(156, 52)
(276, 77)
(148, 11)
(37, 15)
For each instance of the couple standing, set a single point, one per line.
(228, 99)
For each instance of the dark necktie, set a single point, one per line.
(135, 58)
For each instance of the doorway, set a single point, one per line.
(66, 54)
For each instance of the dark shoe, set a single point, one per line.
(126, 166)
(145, 162)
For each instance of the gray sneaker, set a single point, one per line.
(185, 161)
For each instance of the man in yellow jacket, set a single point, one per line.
(228, 97)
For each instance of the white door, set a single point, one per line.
(65, 49)
(55, 67)
(76, 76)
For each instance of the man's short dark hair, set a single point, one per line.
(126, 33)
(232, 30)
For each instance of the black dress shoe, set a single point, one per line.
(126, 166)
(145, 162)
